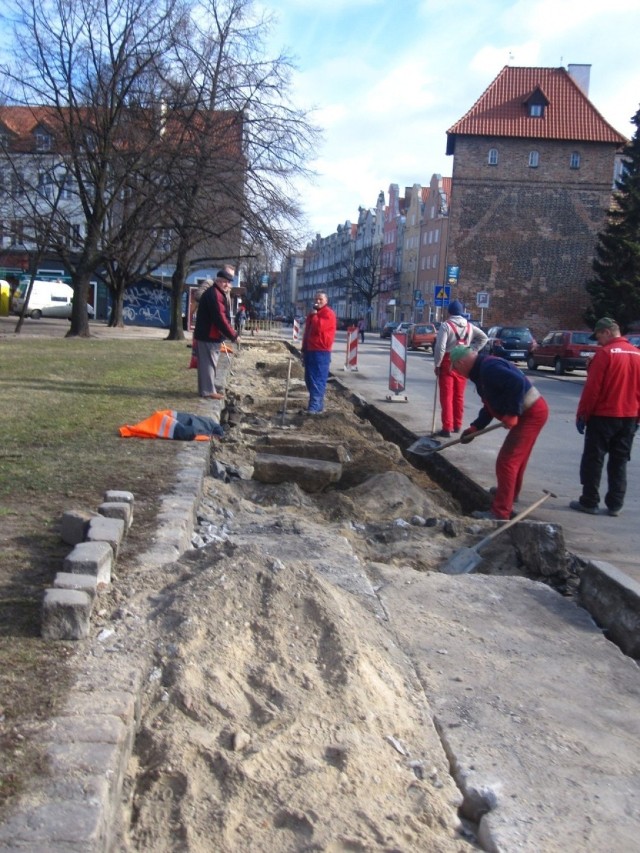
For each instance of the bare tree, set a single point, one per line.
(363, 274)
(243, 142)
(91, 63)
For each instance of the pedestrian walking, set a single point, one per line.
(510, 397)
(453, 332)
(213, 325)
(608, 415)
(361, 327)
(317, 342)
(240, 319)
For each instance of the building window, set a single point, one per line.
(493, 157)
(536, 110)
(43, 140)
(534, 159)
(574, 160)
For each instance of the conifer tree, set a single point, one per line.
(615, 288)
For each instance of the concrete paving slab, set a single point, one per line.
(538, 712)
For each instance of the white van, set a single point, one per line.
(48, 299)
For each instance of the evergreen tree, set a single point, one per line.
(615, 288)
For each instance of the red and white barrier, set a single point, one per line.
(296, 330)
(351, 360)
(398, 366)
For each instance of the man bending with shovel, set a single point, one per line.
(508, 396)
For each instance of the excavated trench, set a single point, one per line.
(272, 680)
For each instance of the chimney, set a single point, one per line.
(580, 75)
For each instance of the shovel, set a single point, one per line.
(466, 559)
(427, 445)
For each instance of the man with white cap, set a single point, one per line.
(456, 331)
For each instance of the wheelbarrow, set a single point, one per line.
(465, 560)
(428, 444)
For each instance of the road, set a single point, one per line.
(555, 461)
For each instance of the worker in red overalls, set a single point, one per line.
(453, 332)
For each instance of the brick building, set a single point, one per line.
(532, 179)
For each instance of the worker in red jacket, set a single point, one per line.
(608, 415)
(317, 343)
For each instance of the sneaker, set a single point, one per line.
(614, 513)
(487, 515)
(590, 510)
(444, 433)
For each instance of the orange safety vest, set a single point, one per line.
(171, 424)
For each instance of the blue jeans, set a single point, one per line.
(316, 373)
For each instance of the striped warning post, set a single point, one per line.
(296, 329)
(351, 360)
(398, 366)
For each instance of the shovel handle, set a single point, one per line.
(475, 435)
(515, 519)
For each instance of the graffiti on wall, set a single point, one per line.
(146, 304)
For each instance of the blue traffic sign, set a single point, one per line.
(441, 294)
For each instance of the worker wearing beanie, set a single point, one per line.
(455, 331)
(507, 395)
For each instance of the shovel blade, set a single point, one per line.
(462, 562)
(424, 446)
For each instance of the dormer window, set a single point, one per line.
(43, 140)
(536, 103)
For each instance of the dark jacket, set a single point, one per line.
(502, 387)
(213, 318)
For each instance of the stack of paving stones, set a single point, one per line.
(96, 539)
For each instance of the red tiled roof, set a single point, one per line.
(501, 110)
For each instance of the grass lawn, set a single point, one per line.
(62, 401)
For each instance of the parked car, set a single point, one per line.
(564, 350)
(422, 336)
(403, 327)
(47, 299)
(514, 343)
(634, 339)
(385, 331)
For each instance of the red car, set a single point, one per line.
(565, 351)
(422, 336)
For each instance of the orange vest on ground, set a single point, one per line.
(171, 424)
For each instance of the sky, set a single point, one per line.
(386, 79)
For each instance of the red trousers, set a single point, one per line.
(514, 455)
(452, 386)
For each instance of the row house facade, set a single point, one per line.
(533, 170)
(326, 266)
(424, 250)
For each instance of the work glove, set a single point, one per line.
(468, 434)
(509, 421)
(436, 370)
(580, 425)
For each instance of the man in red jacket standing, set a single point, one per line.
(608, 415)
(317, 342)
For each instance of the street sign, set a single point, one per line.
(420, 303)
(482, 299)
(453, 274)
(441, 294)
(417, 296)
